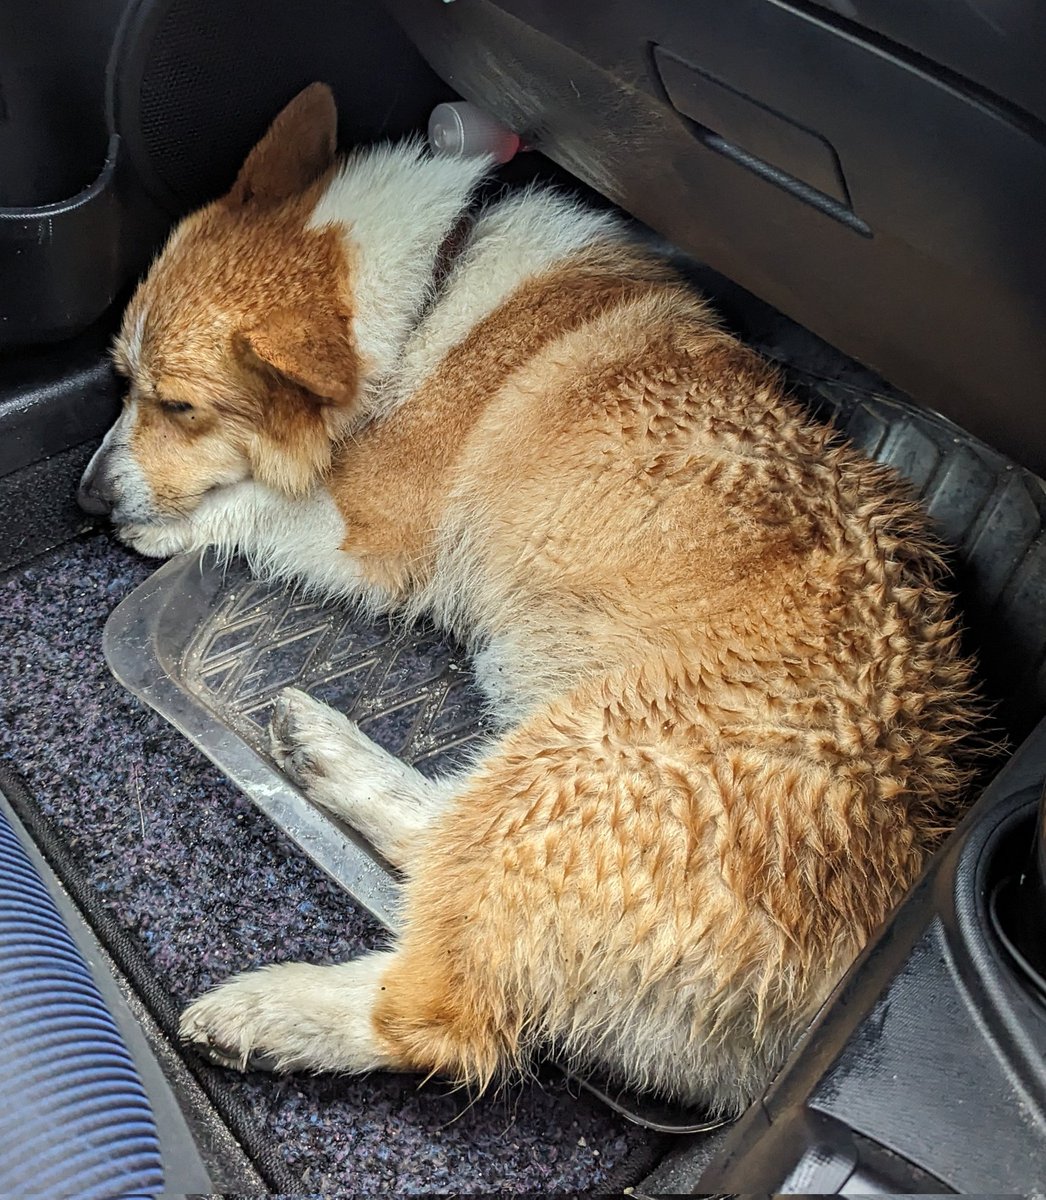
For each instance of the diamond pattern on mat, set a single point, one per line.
(408, 687)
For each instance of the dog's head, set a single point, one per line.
(238, 345)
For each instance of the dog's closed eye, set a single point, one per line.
(176, 406)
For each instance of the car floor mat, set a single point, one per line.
(185, 882)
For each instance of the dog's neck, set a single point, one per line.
(405, 218)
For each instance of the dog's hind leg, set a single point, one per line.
(399, 1010)
(293, 1016)
(337, 766)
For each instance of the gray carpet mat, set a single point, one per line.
(206, 886)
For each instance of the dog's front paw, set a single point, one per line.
(161, 539)
(338, 767)
(310, 741)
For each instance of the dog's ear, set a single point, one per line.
(298, 147)
(313, 350)
(313, 371)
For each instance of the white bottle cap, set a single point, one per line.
(463, 130)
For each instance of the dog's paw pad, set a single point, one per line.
(213, 1031)
(219, 1026)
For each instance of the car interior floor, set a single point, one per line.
(185, 881)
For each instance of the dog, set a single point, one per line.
(732, 709)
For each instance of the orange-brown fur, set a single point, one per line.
(741, 702)
(393, 493)
(249, 255)
(760, 750)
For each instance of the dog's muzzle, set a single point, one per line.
(96, 494)
(112, 486)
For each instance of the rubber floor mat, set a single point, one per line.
(210, 649)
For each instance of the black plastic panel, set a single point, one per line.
(56, 398)
(996, 43)
(64, 264)
(116, 116)
(936, 1082)
(750, 126)
(196, 83)
(74, 228)
(939, 284)
(53, 132)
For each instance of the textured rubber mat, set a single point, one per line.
(409, 689)
(209, 647)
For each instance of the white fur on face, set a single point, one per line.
(282, 538)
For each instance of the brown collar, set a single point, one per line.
(449, 252)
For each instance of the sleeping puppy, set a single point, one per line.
(731, 703)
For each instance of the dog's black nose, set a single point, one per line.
(93, 496)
